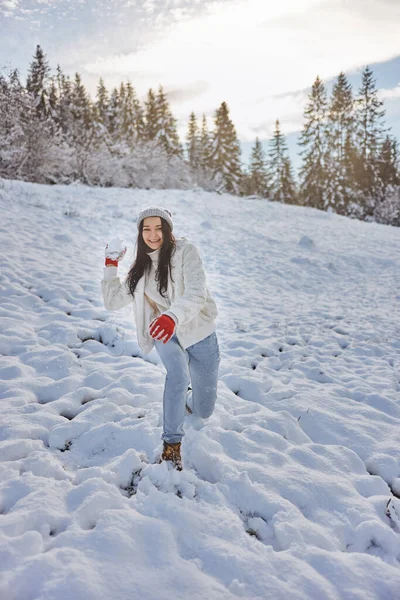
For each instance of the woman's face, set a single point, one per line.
(152, 232)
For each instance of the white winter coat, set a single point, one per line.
(191, 302)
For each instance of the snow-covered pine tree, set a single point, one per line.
(82, 130)
(167, 132)
(59, 156)
(151, 116)
(34, 137)
(313, 144)
(101, 116)
(115, 118)
(257, 177)
(289, 191)
(120, 128)
(101, 105)
(281, 186)
(198, 152)
(60, 78)
(30, 148)
(124, 124)
(225, 152)
(387, 207)
(205, 146)
(133, 117)
(277, 152)
(370, 129)
(204, 173)
(37, 82)
(12, 152)
(340, 185)
(65, 101)
(387, 211)
(44, 142)
(193, 143)
(53, 99)
(100, 164)
(81, 104)
(103, 161)
(101, 122)
(388, 164)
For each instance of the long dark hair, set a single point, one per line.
(142, 261)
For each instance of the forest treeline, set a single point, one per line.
(52, 131)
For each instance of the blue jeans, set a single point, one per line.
(197, 364)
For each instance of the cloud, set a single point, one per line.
(391, 98)
(182, 94)
(9, 5)
(385, 94)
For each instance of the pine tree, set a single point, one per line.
(275, 164)
(257, 179)
(281, 186)
(81, 108)
(40, 122)
(388, 164)
(102, 104)
(133, 117)
(30, 147)
(65, 101)
(37, 82)
(12, 152)
(193, 143)
(53, 99)
(387, 211)
(167, 132)
(205, 145)
(225, 152)
(369, 136)
(101, 142)
(204, 174)
(313, 143)
(339, 189)
(288, 184)
(389, 178)
(115, 117)
(60, 77)
(131, 124)
(151, 116)
(81, 129)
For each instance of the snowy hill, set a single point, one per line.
(290, 491)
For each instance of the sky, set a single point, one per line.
(259, 56)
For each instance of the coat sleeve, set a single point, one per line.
(188, 306)
(116, 295)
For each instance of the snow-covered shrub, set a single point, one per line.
(149, 166)
(105, 168)
(388, 210)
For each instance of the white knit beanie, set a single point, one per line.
(155, 211)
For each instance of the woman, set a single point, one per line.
(174, 313)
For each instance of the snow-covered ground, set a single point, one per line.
(290, 491)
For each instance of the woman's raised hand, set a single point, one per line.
(114, 253)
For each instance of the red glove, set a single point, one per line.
(162, 328)
(110, 262)
(112, 258)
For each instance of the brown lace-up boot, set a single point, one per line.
(172, 452)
